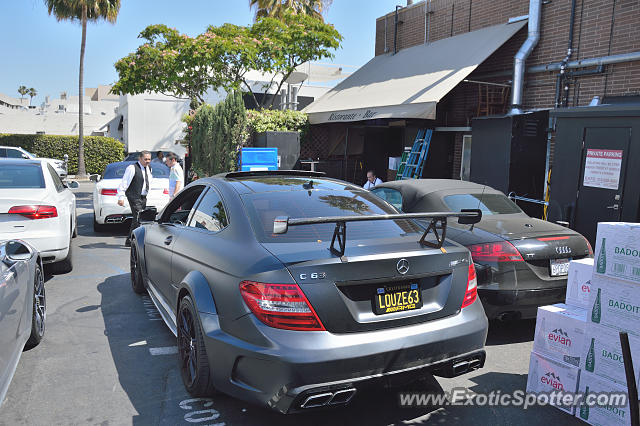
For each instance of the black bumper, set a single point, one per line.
(519, 304)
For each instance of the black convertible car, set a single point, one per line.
(292, 290)
(521, 262)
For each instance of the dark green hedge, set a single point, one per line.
(98, 150)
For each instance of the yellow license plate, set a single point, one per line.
(397, 298)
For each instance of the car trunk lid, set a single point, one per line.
(14, 223)
(342, 289)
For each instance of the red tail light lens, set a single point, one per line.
(280, 306)
(502, 251)
(35, 212)
(166, 191)
(109, 192)
(471, 294)
(588, 246)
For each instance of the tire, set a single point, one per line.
(192, 354)
(75, 227)
(39, 315)
(137, 284)
(66, 265)
(97, 227)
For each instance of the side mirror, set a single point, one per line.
(470, 220)
(73, 184)
(94, 178)
(148, 215)
(14, 251)
(25, 156)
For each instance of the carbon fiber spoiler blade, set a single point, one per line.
(438, 224)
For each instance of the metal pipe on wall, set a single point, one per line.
(517, 92)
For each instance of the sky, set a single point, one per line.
(38, 51)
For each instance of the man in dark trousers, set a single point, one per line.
(135, 185)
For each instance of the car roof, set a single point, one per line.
(279, 180)
(21, 161)
(415, 189)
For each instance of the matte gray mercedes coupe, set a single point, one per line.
(292, 290)
(22, 305)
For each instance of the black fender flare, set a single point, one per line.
(196, 285)
(138, 241)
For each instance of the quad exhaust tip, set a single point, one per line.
(322, 399)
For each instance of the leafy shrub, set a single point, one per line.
(271, 120)
(98, 150)
(218, 132)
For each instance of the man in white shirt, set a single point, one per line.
(135, 185)
(372, 180)
(176, 175)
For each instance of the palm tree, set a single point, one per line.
(23, 91)
(83, 11)
(275, 8)
(32, 94)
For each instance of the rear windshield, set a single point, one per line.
(21, 176)
(116, 171)
(264, 207)
(488, 203)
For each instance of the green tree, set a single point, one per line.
(83, 11)
(23, 91)
(182, 66)
(277, 8)
(32, 93)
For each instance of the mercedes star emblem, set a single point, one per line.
(403, 266)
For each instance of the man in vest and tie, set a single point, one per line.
(135, 185)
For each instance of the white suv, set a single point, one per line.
(17, 152)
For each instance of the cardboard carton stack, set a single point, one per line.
(581, 337)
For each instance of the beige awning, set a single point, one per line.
(410, 83)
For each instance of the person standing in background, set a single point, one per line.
(176, 175)
(159, 158)
(135, 185)
(372, 180)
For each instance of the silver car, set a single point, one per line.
(22, 305)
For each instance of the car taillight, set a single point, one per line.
(109, 192)
(280, 305)
(166, 191)
(588, 246)
(502, 251)
(471, 294)
(35, 212)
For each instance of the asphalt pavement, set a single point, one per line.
(108, 359)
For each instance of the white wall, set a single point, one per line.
(153, 122)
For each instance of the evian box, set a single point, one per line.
(579, 282)
(560, 332)
(604, 414)
(546, 376)
(602, 353)
(618, 250)
(615, 304)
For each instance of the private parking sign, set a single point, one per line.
(602, 168)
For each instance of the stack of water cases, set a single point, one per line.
(577, 345)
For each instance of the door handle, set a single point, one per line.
(614, 207)
(168, 240)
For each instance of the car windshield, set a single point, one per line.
(21, 176)
(116, 171)
(264, 207)
(488, 203)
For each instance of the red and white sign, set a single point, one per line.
(602, 168)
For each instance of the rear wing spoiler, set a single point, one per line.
(438, 225)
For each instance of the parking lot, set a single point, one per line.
(108, 358)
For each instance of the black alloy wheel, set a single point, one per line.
(39, 309)
(136, 273)
(194, 364)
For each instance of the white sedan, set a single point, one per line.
(17, 152)
(37, 207)
(105, 194)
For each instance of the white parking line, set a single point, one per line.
(167, 350)
(140, 343)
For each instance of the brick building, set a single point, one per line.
(603, 32)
